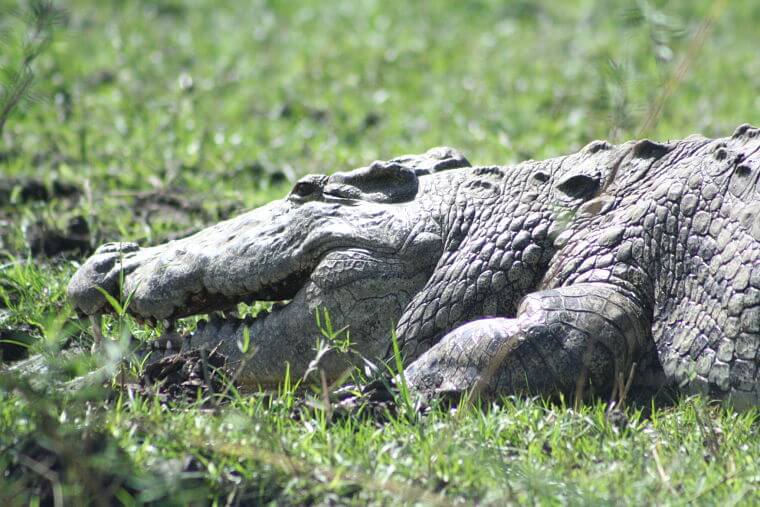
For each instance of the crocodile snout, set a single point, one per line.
(101, 271)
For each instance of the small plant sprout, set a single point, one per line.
(329, 340)
(120, 307)
(244, 343)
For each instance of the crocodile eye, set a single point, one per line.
(304, 188)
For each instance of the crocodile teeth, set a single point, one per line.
(97, 330)
(170, 341)
(220, 318)
(279, 305)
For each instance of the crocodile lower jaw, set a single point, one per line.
(172, 339)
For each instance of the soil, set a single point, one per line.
(178, 377)
(185, 214)
(375, 401)
(46, 240)
(76, 239)
(30, 189)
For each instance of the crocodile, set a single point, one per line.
(637, 260)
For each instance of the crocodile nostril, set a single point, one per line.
(105, 248)
(105, 260)
(105, 263)
(128, 247)
(117, 248)
(102, 267)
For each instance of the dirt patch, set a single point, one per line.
(46, 240)
(42, 236)
(259, 171)
(174, 209)
(376, 401)
(170, 206)
(186, 215)
(179, 376)
(61, 230)
(31, 189)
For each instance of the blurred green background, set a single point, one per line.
(216, 96)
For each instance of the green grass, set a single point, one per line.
(225, 103)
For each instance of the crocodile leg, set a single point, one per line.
(560, 340)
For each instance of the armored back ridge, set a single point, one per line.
(547, 277)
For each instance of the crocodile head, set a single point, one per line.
(358, 244)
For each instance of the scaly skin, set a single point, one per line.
(663, 269)
(545, 277)
(360, 244)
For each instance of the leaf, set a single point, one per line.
(111, 300)
(130, 296)
(405, 394)
(245, 344)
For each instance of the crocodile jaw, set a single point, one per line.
(267, 254)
